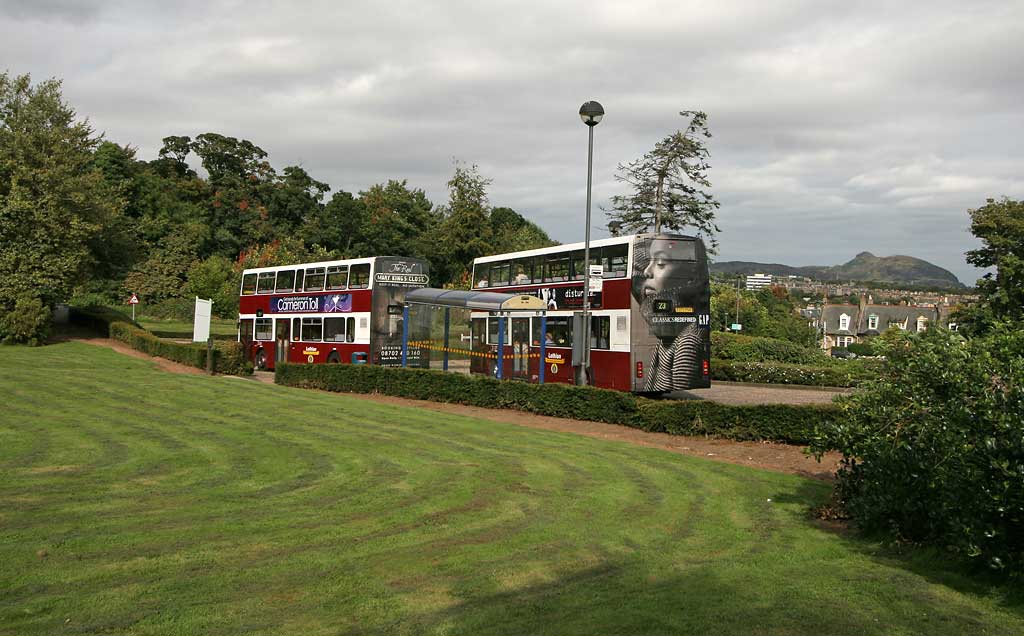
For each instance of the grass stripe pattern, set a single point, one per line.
(134, 501)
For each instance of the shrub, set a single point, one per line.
(228, 357)
(175, 308)
(28, 322)
(861, 348)
(847, 374)
(730, 346)
(784, 423)
(934, 449)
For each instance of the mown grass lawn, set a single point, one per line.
(175, 329)
(134, 501)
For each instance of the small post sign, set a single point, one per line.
(134, 300)
(737, 326)
(595, 280)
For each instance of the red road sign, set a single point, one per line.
(134, 300)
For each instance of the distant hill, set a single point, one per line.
(905, 270)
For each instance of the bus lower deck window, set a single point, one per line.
(334, 329)
(264, 329)
(312, 329)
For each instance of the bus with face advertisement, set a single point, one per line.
(331, 311)
(649, 322)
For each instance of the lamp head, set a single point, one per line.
(591, 113)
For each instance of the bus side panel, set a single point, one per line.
(319, 352)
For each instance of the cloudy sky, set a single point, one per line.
(838, 127)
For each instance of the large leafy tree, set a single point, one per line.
(670, 186)
(54, 200)
(465, 233)
(1000, 226)
(396, 220)
(242, 181)
(337, 226)
(512, 232)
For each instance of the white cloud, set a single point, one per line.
(839, 127)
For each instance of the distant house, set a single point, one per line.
(759, 281)
(847, 324)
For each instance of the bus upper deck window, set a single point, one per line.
(522, 271)
(248, 284)
(556, 270)
(285, 280)
(359, 277)
(337, 277)
(500, 274)
(314, 279)
(579, 263)
(613, 258)
(265, 284)
(480, 275)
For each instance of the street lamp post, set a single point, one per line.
(591, 113)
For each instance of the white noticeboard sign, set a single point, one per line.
(201, 324)
(596, 279)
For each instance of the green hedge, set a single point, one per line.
(775, 422)
(228, 357)
(849, 374)
(732, 346)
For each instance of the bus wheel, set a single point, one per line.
(261, 360)
(334, 358)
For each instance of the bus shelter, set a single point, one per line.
(438, 321)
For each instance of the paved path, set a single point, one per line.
(741, 393)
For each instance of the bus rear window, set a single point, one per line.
(315, 279)
(337, 277)
(285, 280)
(265, 285)
(360, 276)
(248, 284)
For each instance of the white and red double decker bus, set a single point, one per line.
(649, 325)
(334, 311)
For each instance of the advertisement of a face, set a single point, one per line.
(671, 303)
(393, 277)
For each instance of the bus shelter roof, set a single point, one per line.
(481, 300)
